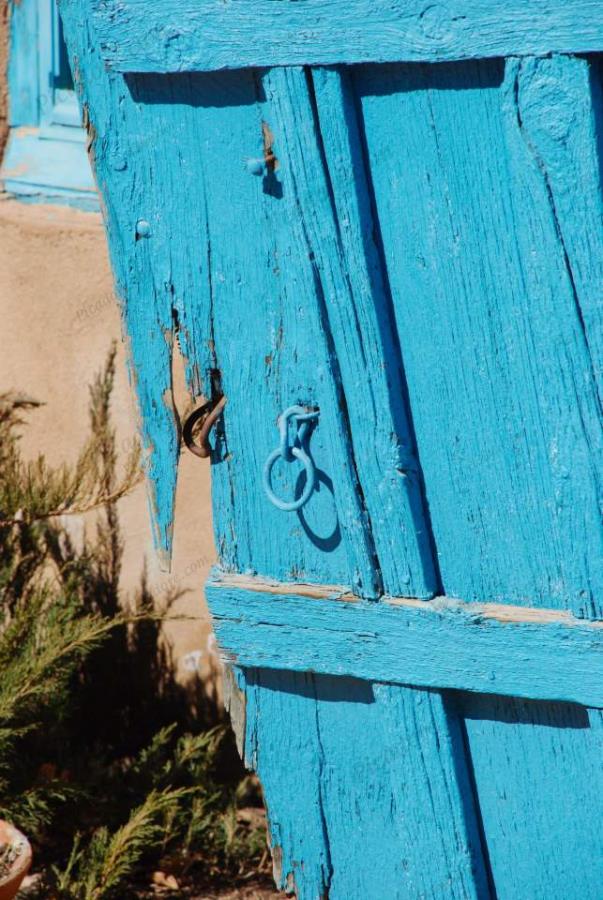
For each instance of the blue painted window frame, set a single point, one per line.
(45, 158)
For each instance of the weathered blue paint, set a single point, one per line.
(487, 647)
(488, 284)
(43, 170)
(45, 159)
(502, 371)
(202, 35)
(331, 217)
(415, 250)
(538, 775)
(368, 795)
(23, 75)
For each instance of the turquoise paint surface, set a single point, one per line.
(185, 35)
(487, 287)
(22, 75)
(537, 770)
(414, 249)
(368, 793)
(488, 232)
(45, 159)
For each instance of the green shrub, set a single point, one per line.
(90, 766)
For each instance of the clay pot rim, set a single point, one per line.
(12, 835)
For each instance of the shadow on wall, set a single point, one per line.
(132, 685)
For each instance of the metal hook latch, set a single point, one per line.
(305, 419)
(208, 413)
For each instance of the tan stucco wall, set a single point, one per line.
(58, 317)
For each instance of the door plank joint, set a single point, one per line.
(545, 654)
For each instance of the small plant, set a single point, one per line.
(91, 768)
(100, 868)
(182, 820)
(47, 627)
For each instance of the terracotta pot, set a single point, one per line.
(10, 884)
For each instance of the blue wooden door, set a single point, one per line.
(388, 217)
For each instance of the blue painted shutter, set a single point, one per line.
(418, 261)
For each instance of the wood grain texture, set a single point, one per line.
(349, 815)
(269, 334)
(560, 106)
(203, 35)
(440, 644)
(336, 235)
(281, 725)
(308, 287)
(538, 774)
(121, 134)
(487, 185)
(476, 177)
(219, 237)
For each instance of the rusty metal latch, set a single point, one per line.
(207, 414)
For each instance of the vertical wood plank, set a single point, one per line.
(272, 348)
(559, 107)
(282, 744)
(122, 139)
(538, 773)
(407, 810)
(500, 376)
(330, 203)
(366, 788)
(353, 291)
(537, 765)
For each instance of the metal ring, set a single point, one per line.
(292, 505)
(209, 413)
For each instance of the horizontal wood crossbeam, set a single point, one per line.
(206, 35)
(540, 654)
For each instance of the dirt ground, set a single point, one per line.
(252, 892)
